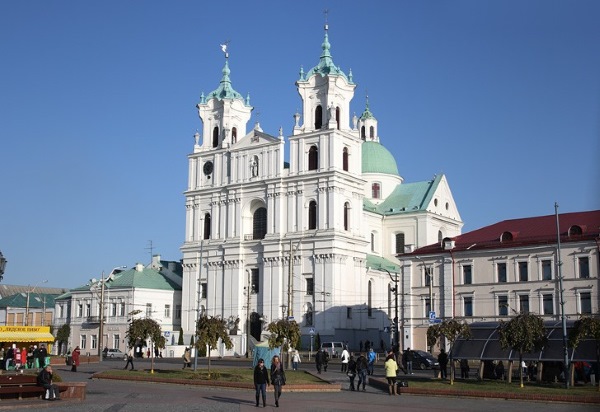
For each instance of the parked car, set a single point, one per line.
(424, 360)
(114, 353)
(335, 349)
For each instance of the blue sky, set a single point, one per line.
(97, 103)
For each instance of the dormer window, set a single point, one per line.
(575, 230)
(506, 237)
(318, 117)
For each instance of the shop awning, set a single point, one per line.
(26, 337)
(14, 334)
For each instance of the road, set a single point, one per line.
(116, 396)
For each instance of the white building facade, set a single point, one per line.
(312, 239)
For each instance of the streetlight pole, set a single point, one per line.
(101, 327)
(396, 331)
(30, 291)
(562, 300)
(198, 297)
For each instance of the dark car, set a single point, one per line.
(424, 360)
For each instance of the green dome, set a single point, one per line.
(378, 159)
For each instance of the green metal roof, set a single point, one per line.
(406, 198)
(145, 279)
(225, 90)
(326, 65)
(378, 159)
(380, 263)
(36, 300)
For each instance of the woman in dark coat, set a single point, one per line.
(261, 380)
(75, 359)
(352, 372)
(277, 378)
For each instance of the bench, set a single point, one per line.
(15, 386)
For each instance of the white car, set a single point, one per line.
(114, 353)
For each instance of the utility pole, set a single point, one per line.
(290, 282)
(101, 329)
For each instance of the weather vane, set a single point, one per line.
(224, 48)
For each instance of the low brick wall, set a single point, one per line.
(73, 390)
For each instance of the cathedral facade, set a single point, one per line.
(313, 238)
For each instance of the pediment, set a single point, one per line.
(255, 139)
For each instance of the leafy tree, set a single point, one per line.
(451, 330)
(143, 329)
(63, 334)
(586, 327)
(284, 333)
(209, 330)
(524, 333)
(180, 341)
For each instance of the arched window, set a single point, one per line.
(215, 141)
(318, 117)
(346, 215)
(313, 158)
(369, 300)
(375, 190)
(234, 135)
(312, 215)
(371, 132)
(362, 132)
(337, 117)
(345, 159)
(372, 242)
(207, 226)
(259, 223)
(399, 243)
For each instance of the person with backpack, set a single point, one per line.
(362, 369)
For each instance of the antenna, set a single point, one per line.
(326, 13)
(151, 248)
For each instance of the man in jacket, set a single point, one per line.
(45, 381)
(371, 359)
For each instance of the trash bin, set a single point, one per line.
(69, 360)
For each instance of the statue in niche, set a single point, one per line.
(254, 167)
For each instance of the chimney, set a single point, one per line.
(139, 267)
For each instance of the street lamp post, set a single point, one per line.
(30, 291)
(101, 326)
(395, 290)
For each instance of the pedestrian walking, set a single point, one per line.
(362, 369)
(443, 361)
(345, 360)
(351, 372)
(296, 359)
(261, 381)
(391, 370)
(277, 378)
(409, 356)
(187, 358)
(319, 361)
(325, 360)
(42, 355)
(371, 361)
(75, 359)
(129, 359)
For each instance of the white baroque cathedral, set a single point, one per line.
(314, 239)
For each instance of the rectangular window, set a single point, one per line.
(503, 305)
(399, 243)
(501, 267)
(255, 281)
(113, 309)
(427, 279)
(148, 310)
(584, 267)
(88, 309)
(310, 286)
(468, 304)
(61, 311)
(427, 307)
(116, 340)
(204, 290)
(546, 270)
(94, 342)
(83, 342)
(122, 309)
(80, 310)
(467, 275)
(524, 303)
(548, 304)
(585, 299)
(523, 274)
(177, 311)
(167, 311)
(349, 313)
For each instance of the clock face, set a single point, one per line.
(208, 168)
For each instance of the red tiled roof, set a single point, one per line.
(525, 231)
